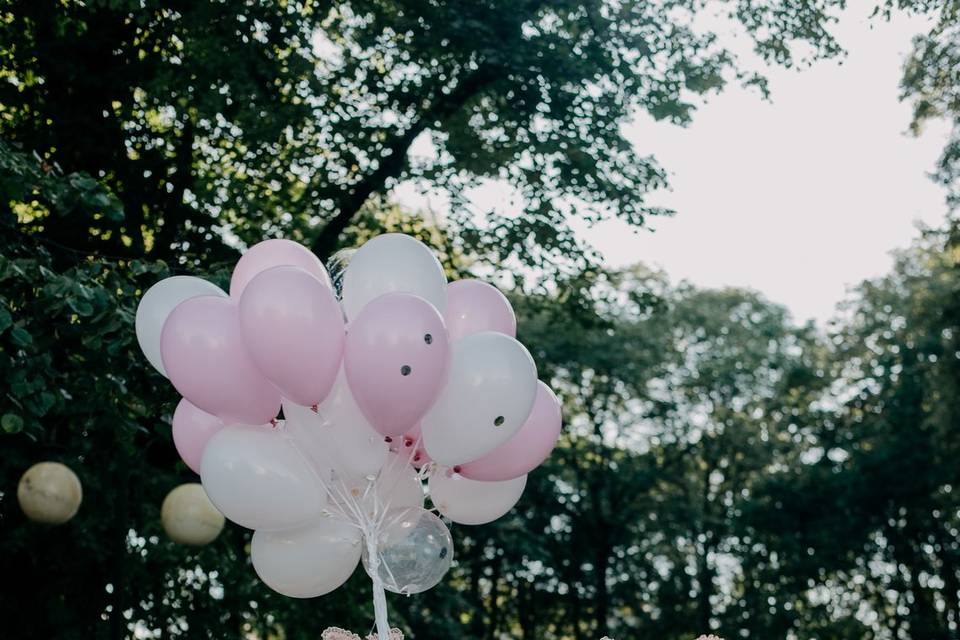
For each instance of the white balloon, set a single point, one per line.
(359, 448)
(489, 394)
(257, 477)
(397, 486)
(157, 303)
(309, 561)
(393, 262)
(468, 501)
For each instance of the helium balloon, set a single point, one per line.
(414, 551)
(474, 306)
(50, 493)
(256, 477)
(337, 433)
(207, 362)
(489, 394)
(308, 561)
(189, 517)
(192, 429)
(468, 501)
(396, 360)
(398, 484)
(293, 328)
(389, 263)
(527, 448)
(410, 447)
(274, 253)
(157, 304)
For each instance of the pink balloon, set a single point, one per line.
(474, 306)
(410, 447)
(396, 360)
(204, 356)
(192, 428)
(293, 328)
(525, 450)
(274, 253)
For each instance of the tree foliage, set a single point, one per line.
(721, 467)
(284, 118)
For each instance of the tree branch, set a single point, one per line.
(394, 160)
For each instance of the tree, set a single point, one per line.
(266, 119)
(931, 80)
(870, 516)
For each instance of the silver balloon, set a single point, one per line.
(336, 266)
(415, 551)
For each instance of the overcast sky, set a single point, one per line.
(799, 197)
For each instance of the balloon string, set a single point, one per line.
(311, 464)
(379, 595)
(395, 461)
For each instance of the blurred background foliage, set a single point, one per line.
(721, 469)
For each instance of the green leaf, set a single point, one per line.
(81, 307)
(11, 423)
(5, 319)
(21, 337)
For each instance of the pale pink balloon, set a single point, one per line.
(293, 328)
(275, 253)
(192, 428)
(527, 448)
(204, 356)
(410, 447)
(396, 360)
(474, 306)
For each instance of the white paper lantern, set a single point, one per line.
(49, 492)
(189, 517)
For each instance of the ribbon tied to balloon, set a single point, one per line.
(403, 387)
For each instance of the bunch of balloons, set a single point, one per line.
(402, 378)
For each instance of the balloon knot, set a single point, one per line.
(387, 439)
(315, 408)
(274, 423)
(457, 468)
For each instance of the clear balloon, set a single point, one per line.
(468, 501)
(474, 306)
(158, 303)
(489, 394)
(207, 362)
(396, 359)
(293, 329)
(309, 561)
(257, 477)
(338, 433)
(192, 429)
(388, 263)
(527, 448)
(414, 551)
(274, 253)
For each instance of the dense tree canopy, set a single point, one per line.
(270, 118)
(721, 468)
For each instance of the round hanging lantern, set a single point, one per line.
(49, 492)
(189, 517)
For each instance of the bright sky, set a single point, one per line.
(798, 198)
